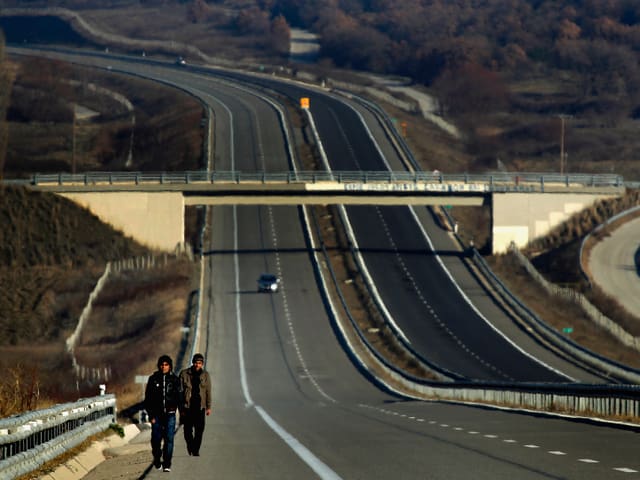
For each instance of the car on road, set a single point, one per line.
(268, 282)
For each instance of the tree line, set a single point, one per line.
(433, 41)
(596, 42)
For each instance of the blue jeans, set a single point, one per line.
(162, 431)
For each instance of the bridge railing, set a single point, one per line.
(494, 181)
(30, 439)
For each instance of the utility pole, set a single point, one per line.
(562, 118)
(73, 142)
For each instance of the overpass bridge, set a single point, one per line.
(150, 206)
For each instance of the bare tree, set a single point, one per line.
(280, 35)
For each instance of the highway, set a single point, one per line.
(288, 400)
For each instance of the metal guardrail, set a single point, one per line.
(30, 439)
(613, 369)
(613, 401)
(491, 182)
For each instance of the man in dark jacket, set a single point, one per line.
(163, 397)
(196, 385)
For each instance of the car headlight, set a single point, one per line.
(274, 287)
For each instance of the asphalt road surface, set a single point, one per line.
(289, 402)
(614, 265)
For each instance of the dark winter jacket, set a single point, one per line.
(163, 394)
(187, 378)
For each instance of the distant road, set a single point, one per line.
(613, 265)
(289, 403)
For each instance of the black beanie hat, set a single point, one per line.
(165, 358)
(197, 356)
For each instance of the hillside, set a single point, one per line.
(503, 72)
(512, 124)
(52, 251)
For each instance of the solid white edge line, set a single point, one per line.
(351, 235)
(411, 208)
(323, 471)
(303, 452)
(470, 303)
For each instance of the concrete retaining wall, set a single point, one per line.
(153, 219)
(522, 217)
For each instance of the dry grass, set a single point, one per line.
(52, 252)
(167, 134)
(556, 255)
(559, 313)
(215, 36)
(361, 306)
(52, 465)
(521, 142)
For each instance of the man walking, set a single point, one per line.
(162, 398)
(196, 385)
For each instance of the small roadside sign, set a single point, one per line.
(304, 102)
(567, 330)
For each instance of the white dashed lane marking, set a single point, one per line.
(287, 313)
(428, 307)
(532, 446)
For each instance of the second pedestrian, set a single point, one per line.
(196, 385)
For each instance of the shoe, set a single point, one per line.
(157, 465)
(196, 454)
(167, 469)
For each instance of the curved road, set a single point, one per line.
(288, 401)
(614, 264)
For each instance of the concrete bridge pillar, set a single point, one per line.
(153, 219)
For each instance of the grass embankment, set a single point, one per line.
(52, 252)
